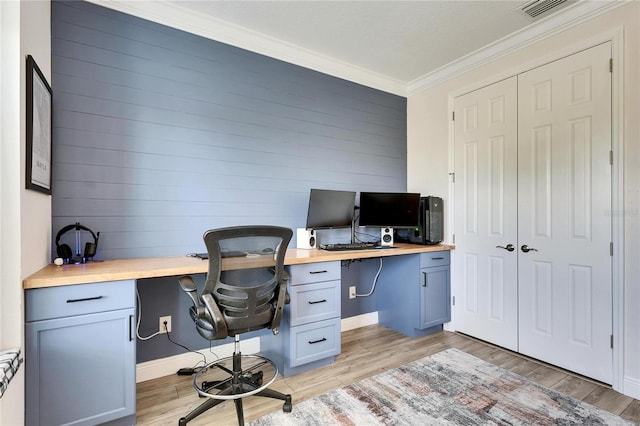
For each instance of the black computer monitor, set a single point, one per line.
(389, 209)
(330, 209)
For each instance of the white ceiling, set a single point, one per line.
(392, 45)
(402, 40)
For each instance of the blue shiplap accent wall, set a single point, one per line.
(160, 134)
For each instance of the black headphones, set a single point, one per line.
(65, 252)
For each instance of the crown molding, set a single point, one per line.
(554, 24)
(176, 16)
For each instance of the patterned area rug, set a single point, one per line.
(448, 388)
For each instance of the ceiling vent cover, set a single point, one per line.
(536, 8)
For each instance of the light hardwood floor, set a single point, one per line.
(368, 351)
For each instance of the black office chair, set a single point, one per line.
(245, 290)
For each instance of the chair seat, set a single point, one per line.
(216, 379)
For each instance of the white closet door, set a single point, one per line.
(485, 214)
(564, 213)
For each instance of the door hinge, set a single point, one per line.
(454, 238)
(611, 249)
(610, 64)
(453, 116)
(453, 300)
(611, 157)
(453, 177)
(612, 341)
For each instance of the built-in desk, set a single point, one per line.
(80, 322)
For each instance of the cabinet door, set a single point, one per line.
(435, 306)
(80, 370)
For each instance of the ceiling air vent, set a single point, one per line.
(536, 8)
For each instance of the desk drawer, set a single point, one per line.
(316, 341)
(70, 300)
(314, 302)
(434, 258)
(314, 272)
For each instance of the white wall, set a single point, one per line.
(35, 207)
(25, 216)
(10, 313)
(428, 148)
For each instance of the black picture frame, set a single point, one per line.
(39, 129)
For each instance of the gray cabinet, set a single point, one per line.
(415, 293)
(80, 354)
(310, 333)
(435, 308)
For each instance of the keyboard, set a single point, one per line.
(347, 246)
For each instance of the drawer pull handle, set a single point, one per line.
(318, 272)
(424, 282)
(317, 301)
(86, 299)
(437, 258)
(312, 342)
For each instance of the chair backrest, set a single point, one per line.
(246, 275)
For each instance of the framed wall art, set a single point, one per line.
(39, 132)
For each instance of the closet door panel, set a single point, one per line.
(485, 214)
(564, 204)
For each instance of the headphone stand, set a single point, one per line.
(78, 243)
(67, 254)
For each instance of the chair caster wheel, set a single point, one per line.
(287, 406)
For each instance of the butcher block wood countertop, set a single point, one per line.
(128, 269)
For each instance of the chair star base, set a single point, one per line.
(234, 378)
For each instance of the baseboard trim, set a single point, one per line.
(170, 365)
(359, 321)
(632, 387)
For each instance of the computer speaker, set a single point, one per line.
(386, 237)
(306, 238)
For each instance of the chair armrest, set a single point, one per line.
(206, 312)
(217, 320)
(189, 287)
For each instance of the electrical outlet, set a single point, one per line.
(161, 324)
(352, 292)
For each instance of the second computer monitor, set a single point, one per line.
(389, 209)
(330, 209)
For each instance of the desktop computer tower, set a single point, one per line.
(430, 229)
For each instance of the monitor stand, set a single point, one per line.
(353, 227)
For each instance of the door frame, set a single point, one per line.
(616, 37)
